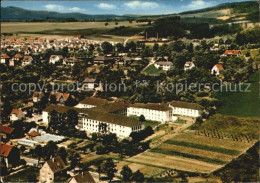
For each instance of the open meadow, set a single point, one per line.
(92, 30)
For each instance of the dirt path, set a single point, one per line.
(171, 134)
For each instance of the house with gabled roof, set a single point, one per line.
(83, 177)
(234, 53)
(51, 169)
(189, 65)
(55, 58)
(217, 69)
(37, 96)
(4, 58)
(16, 114)
(6, 132)
(163, 65)
(10, 155)
(27, 60)
(61, 97)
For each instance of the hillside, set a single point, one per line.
(238, 7)
(18, 14)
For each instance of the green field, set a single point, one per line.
(186, 155)
(92, 30)
(203, 147)
(152, 70)
(245, 104)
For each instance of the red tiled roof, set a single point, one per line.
(33, 134)
(16, 111)
(231, 52)
(6, 129)
(219, 66)
(18, 56)
(5, 150)
(4, 56)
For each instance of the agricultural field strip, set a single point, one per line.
(204, 147)
(223, 143)
(192, 156)
(173, 162)
(196, 152)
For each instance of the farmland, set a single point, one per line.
(93, 30)
(193, 153)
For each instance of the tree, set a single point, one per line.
(142, 118)
(38, 152)
(106, 24)
(22, 149)
(50, 150)
(53, 99)
(126, 174)
(119, 47)
(155, 47)
(62, 153)
(106, 47)
(74, 158)
(110, 168)
(138, 176)
(32, 177)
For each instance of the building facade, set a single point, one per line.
(155, 112)
(186, 109)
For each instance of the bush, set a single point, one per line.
(202, 94)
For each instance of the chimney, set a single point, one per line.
(157, 36)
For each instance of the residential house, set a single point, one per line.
(16, 114)
(6, 133)
(83, 177)
(61, 97)
(186, 108)
(164, 65)
(16, 60)
(37, 96)
(27, 60)
(10, 155)
(55, 59)
(71, 61)
(102, 60)
(155, 112)
(189, 65)
(89, 84)
(233, 53)
(217, 69)
(4, 58)
(51, 169)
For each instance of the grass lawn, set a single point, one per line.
(152, 70)
(151, 123)
(180, 121)
(22, 176)
(244, 104)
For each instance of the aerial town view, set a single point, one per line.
(130, 91)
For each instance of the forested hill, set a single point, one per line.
(238, 7)
(19, 14)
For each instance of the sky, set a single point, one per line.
(117, 7)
